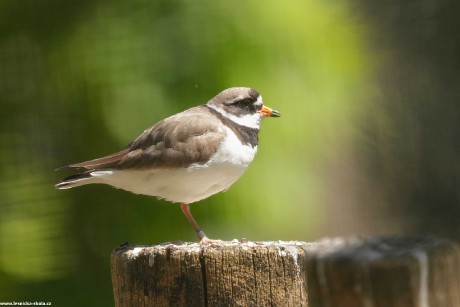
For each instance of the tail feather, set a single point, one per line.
(74, 181)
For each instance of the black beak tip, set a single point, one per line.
(275, 113)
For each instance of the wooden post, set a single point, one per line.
(226, 274)
(340, 272)
(384, 272)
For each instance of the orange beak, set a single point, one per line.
(269, 112)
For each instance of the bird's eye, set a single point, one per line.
(243, 103)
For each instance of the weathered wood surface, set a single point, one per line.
(386, 272)
(390, 272)
(227, 274)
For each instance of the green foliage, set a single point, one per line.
(81, 79)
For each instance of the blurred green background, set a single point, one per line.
(368, 143)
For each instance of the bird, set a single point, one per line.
(186, 157)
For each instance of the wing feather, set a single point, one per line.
(192, 136)
(104, 162)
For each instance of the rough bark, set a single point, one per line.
(421, 271)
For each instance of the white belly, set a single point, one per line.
(186, 185)
(180, 185)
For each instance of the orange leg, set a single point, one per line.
(200, 233)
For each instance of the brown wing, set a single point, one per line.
(192, 136)
(104, 162)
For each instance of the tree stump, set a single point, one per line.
(226, 274)
(384, 272)
(340, 272)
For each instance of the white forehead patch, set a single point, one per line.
(259, 101)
